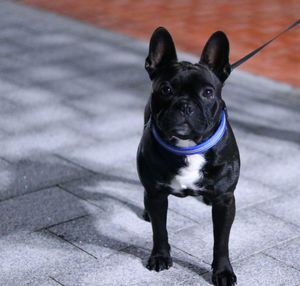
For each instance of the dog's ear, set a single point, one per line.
(216, 55)
(161, 51)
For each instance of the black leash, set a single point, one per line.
(253, 53)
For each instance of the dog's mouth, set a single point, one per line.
(181, 137)
(183, 131)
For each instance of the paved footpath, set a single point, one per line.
(72, 99)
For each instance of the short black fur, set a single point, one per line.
(186, 106)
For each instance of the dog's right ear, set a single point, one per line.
(161, 51)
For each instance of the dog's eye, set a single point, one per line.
(208, 92)
(166, 90)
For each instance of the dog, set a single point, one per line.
(188, 147)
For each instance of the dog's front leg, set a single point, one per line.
(223, 212)
(157, 207)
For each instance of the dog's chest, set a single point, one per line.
(189, 175)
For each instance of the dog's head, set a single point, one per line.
(186, 100)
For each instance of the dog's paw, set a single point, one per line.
(146, 216)
(159, 262)
(224, 278)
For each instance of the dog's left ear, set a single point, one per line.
(216, 55)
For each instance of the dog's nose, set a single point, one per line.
(186, 109)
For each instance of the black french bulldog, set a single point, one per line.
(188, 146)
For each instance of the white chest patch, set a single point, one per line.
(188, 175)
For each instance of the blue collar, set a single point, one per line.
(197, 149)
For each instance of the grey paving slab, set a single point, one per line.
(275, 147)
(47, 56)
(34, 173)
(286, 207)
(262, 270)
(287, 253)
(191, 207)
(6, 86)
(108, 185)
(125, 75)
(40, 209)
(250, 192)
(28, 97)
(68, 92)
(9, 106)
(119, 225)
(269, 111)
(33, 258)
(113, 155)
(110, 127)
(44, 113)
(90, 235)
(7, 48)
(252, 232)
(3, 134)
(43, 73)
(52, 40)
(128, 269)
(4, 171)
(49, 282)
(8, 66)
(52, 139)
(277, 170)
